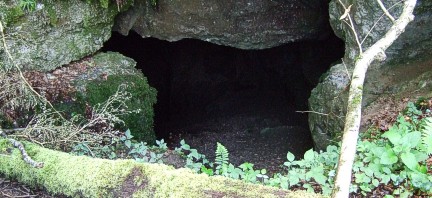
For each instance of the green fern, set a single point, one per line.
(427, 135)
(222, 158)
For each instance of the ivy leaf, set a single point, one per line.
(388, 157)
(410, 161)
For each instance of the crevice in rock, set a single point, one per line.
(224, 93)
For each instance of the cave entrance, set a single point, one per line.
(244, 99)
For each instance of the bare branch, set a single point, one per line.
(325, 114)
(379, 19)
(346, 14)
(385, 11)
(21, 148)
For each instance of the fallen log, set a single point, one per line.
(80, 176)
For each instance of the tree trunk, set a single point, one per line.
(80, 176)
(353, 116)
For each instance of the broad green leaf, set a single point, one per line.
(378, 151)
(409, 160)
(290, 157)
(284, 183)
(128, 143)
(386, 170)
(393, 135)
(293, 179)
(388, 157)
(375, 182)
(287, 164)
(411, 139)
(420, 156)
(422, 169)
(309, 155)
(385, 179)
(320, 178)
(128, 134)
(369, 172)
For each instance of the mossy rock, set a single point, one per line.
(143, 98)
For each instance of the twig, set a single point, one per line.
(24, 154)
(346, 69)
(385, 11)
(12, 131)
(344, 16)
(376, 23)
(22, 75)
(313, 112)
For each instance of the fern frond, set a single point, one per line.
(222, 155)
(427, 135)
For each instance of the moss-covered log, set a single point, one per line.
(79, 176)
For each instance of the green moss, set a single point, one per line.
(104, 3)
(80, 176)
(10, 15)
(143, 97)
(52, 15)
(63, 173)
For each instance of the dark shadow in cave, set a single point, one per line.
(209, 93)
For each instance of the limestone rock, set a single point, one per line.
(407, 58)
(246, 24)
(55, 33)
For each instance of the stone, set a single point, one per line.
(407, 58)
(245, 24)
(54, 34)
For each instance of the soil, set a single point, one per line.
(15, 189)
(254, 139)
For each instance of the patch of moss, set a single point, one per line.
(63, 173)
(81, 176)
(143, 97)
(104, 3)
(52, 15)
(10, 15)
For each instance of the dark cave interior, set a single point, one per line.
(199, 82)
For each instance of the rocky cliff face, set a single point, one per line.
(245, 24)
(402, 75)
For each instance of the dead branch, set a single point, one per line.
(21, 148)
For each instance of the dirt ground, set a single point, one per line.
(261, 141)
(14, 189)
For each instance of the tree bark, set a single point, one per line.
(353, 116)
(80, 176)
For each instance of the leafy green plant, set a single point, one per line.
(28, 5)
(315, 167)
(222, 158)
(397, 156)
(194, 160)
(427, 136)
(153, 3)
